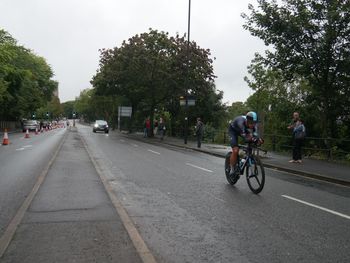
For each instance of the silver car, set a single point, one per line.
(100, 125)
(30, 125)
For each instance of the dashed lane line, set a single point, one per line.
(201, 168)
(20, 149)
(219, 199)
(316, 206)
(153, 152)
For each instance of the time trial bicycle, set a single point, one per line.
(249, 163)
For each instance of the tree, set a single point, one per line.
(68, 108)
(25, 80)
(152, 70)
(310, 41)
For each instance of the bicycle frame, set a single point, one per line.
(248, 156)
(252, 167)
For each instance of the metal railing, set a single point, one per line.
(321, 148)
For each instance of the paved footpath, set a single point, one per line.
(317, 169)
(71, 218)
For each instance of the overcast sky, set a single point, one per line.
(68, 34)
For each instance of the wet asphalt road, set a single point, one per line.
(21, 163)
(179, 201)
(186, 212)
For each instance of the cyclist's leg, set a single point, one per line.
(235, 149)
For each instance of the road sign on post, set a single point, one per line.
(186, 101)
(123, 112)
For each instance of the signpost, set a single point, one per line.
(186, 101)
(123, 112)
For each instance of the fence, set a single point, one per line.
(9, 125)
(321, 148)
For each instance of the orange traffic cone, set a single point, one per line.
(27, 134)
(5, 141)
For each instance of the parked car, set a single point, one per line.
(30, 125)
(100, 125)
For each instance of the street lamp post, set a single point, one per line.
(186, 81)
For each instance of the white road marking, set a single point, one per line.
(201, 168)
(28, 146)
(316, 206)
(135, 145)
(215, 197)
(153, 152)
(20, 149)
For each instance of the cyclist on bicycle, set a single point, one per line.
(246, 127)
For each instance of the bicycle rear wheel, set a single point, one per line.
(255, 175)
(231, 179)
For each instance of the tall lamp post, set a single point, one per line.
(186, 81)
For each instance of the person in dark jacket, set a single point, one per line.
(199, 132)
(298, 135)
(161, 128)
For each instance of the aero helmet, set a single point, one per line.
(252, 116)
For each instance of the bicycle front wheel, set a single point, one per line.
(255, 175)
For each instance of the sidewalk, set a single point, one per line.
(317, 169)
(71, 217)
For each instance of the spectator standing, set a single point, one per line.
(147, 128)
(199, 132)
(155, 131)
(298, 135)
(161, 128)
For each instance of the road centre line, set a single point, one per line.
(153, 152)
(201, 168)
(219, 199)
(316, 206)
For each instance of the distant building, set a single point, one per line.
(55, 92)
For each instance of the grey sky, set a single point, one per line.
(68, 33)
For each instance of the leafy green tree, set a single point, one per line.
(91, 106)
(152, 71)
(68, 108)
(25, 80)
(83, 104)
(310, 42)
